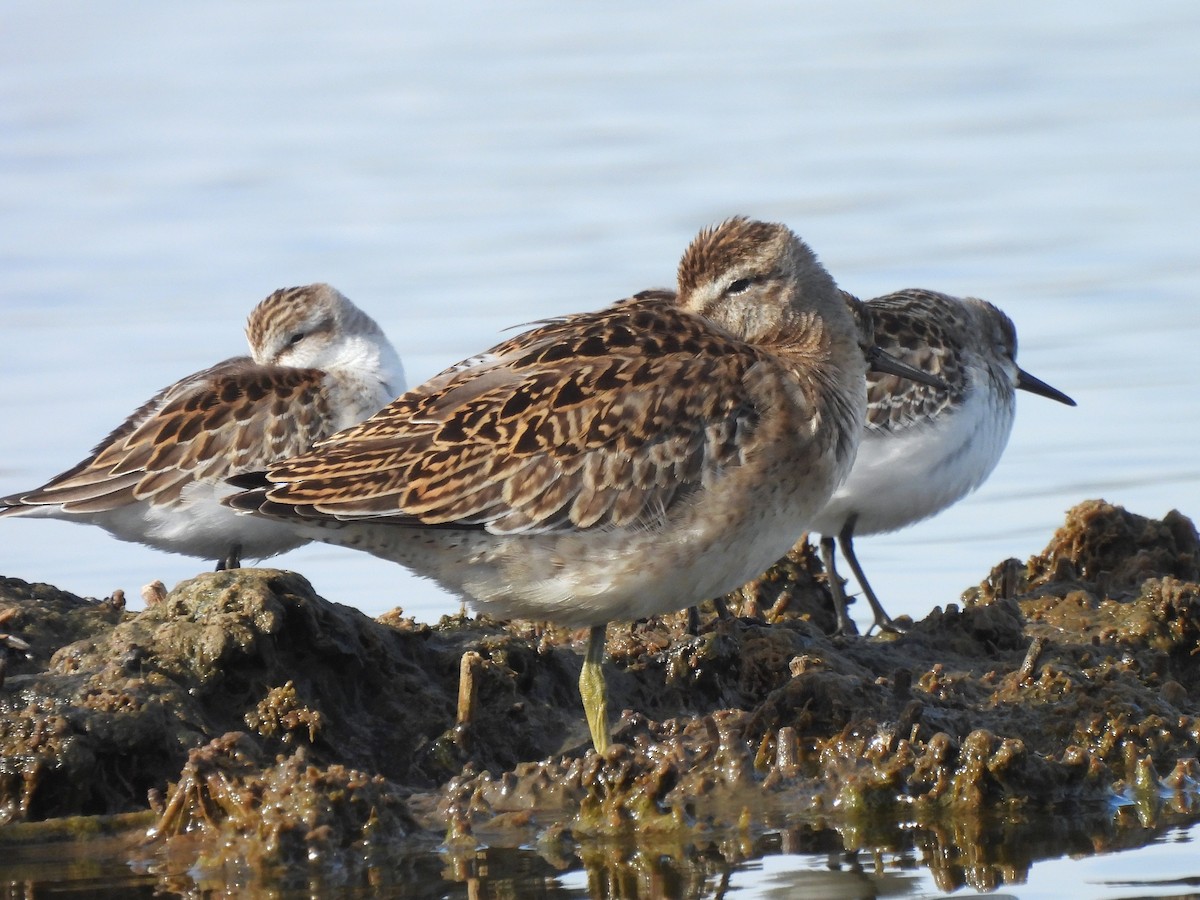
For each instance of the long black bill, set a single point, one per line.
(1026, 382)
(879, 361)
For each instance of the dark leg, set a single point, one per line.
(846, 541)
(232, 560)
(719, 605)
(844, 623)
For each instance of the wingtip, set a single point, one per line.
(878, 360)
(249, 480)
(13, 504)
(247, 501)
(257, 501)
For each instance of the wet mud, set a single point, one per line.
(241, 727)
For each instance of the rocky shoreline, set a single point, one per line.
(243, 721)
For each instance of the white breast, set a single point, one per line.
(902, 477)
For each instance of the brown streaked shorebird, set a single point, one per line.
(925, 446)
(614, 464)
(318, 364)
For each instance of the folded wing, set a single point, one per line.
(233, 417)
(603, 419)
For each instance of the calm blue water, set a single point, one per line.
(1164, 868)
(163, 168)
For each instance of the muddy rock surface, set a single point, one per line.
(256, 724)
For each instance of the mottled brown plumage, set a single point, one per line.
(526, 444)
(255, 413)
(613, 464)
(319, 363)
(929, 341)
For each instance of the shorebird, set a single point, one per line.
(925, 446)
(608, 465)
(318, 364)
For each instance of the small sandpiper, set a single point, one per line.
(609, 465)
(318, 364)
(925, 447)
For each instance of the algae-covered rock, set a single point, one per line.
(265, 723)
(46, 618)
(1114, 551)
(245, 812)
(1069, 688)
(122, 699)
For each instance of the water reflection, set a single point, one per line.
(814, 860)
(1000, 856)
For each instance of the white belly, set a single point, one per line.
(901, 478)
(595, 576)
(197, 525)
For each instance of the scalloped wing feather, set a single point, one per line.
(596, 420)
(921, 341)
(233, 417)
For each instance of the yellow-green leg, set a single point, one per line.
(592, 690)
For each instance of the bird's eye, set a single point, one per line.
(742, 284)
(295, 338)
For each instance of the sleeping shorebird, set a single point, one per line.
(318, 364)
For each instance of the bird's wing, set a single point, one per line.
(233, 417)
(905, 329)
(597, 420)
